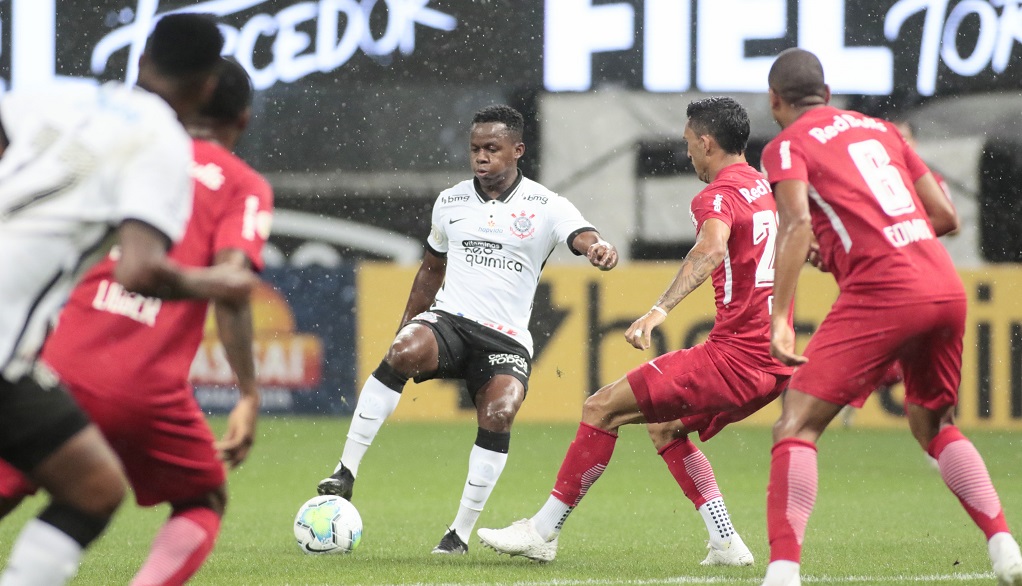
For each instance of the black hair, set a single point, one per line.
(722, 118)
(797, 77)
(233, 93)
(185, 45)
(508, 116)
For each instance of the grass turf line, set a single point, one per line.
(883, 515)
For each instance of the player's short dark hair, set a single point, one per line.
(233, 93)
(722, 118)
(508, 116)
(797, 77)
(185, 44)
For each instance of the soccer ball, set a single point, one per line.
(328, 524)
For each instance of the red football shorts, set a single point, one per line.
(14, 484)
(704, 387)
(162, 439)
(851, 353)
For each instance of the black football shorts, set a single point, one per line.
(473, 352)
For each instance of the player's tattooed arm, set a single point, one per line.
(696, 268)
(707, 254)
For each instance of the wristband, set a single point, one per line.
(660, 309)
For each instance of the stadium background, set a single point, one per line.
(360, 118)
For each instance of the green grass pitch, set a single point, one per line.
(883, 515)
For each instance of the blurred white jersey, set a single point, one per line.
(80, 160)
(496, 249)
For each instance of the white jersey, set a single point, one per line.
(496, 249)
(80, 160)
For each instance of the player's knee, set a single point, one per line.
(100, 495)
(497, 416)
(596, 410)
(214, 500)
(406, 355)
(662, 434)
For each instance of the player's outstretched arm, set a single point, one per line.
(144, 268)
(234, 326)
(600, 253)
(938, 207)
(794, 237)
(700, 262)
(427, 283)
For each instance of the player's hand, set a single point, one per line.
(815, 258)
(240, 434)
(639, 334)
(602, 255)
(782, 345)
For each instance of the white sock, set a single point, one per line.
(375, 404)
(782, 573)
(42, 556)
(718, 522)
(484, 468)
(550, 518)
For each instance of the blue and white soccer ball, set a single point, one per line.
(328, 524)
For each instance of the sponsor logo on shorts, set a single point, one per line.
(517, 362)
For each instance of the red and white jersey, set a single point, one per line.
(873, 231)
(107, 337)
(743, 284)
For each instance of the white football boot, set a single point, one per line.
(521, 539)
(734, 553)
(1007, 560)
(783, 573)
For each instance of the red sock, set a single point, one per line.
(180, 548)
(790, 497)
(692, 470)
(585, 461)
(964, 472)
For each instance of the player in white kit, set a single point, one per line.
(80, 167)
(467, 315)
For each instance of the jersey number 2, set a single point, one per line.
(764, 228)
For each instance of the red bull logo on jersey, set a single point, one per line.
(284, 358)
(843, 122)
(762, 188)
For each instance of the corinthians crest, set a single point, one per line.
(522, 226)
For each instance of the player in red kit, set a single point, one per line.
(876, 211)
(126, 357)
(695, 390)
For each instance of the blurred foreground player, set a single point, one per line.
(125, 358)
(876, 211)
(696, 390)
(467, 315)
(82, 165)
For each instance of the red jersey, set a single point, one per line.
(109, 338)
(743, 284)
(873, 231)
